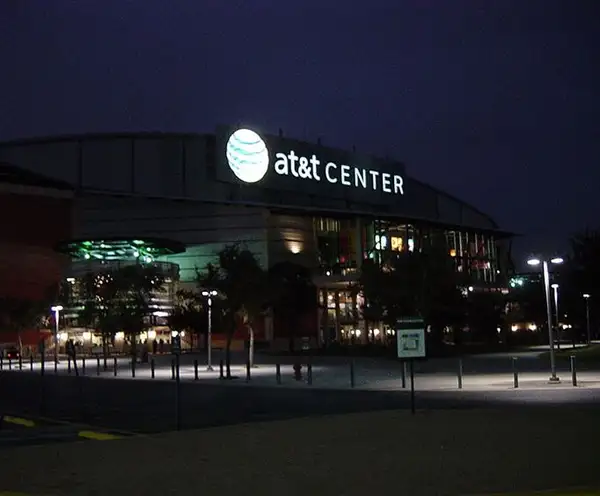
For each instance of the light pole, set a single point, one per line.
(586, 297)
(56, 309)
(546, 275)
(555, 291)
(209, 296)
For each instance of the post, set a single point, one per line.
(309, 376)
(31, 363)
(9, 363)
(172, 368)
(210, 367)
(133, 367)
(56, 366)
(42, 386)
(278, 373)
(221, 369)
(403, 374)
(555, 288)
(412, 386)
(177, 393)
(83, 365)
(352, 383)
(553, 376)
(587, 318)
(20, 362)
(248, 365)
(515, 373)
(460, 373)
(573, 371)
(69, 364)
(195, 370)
(115, 366)
(98, 366)
(1, 362)
(152, 372)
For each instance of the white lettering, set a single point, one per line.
(360, 176)
(374, 175)
(303, 167)
(345, 175)
(386, 183)
(330, 165)
(398, 185)
(292, 157)
(315, 162)
(281, 164)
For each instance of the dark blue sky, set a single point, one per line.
(496, 102)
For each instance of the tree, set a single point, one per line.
(188, 313)
(423, 283)
(243, 285)
(293, 296)
(120, 299)
(21, 314)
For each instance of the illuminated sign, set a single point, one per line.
(248, 158)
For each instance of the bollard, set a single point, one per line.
(152, 372)
(172, 368)
(1, 362)
(309, 376)
(20, 362)
(82, 365)
(56, 366)
(460, 373)
(97, 365)
(352, 373)
(115, 366)
(248, 377)
(221, 369)
(403, 374)
(515, 373)
(69, 365)
(133, 367)
(9, 363)
(31, 362)
(195, 370)
(573, 371)
(278, 373)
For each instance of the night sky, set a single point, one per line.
(496, 102)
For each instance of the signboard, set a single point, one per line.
(410, 338)
(248, 157)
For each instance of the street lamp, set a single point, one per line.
(586, 297)
(555, 291)
(544, 263)
(56, 309)
(209, 295)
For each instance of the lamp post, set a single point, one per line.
(555, 292)
(586, 297)
(56, 309)
(209, 296)
(546, 276)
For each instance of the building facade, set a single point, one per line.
(285, 200)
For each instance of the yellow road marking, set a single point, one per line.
(97, 436)
(18, 421)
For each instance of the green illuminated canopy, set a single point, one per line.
(143, 249)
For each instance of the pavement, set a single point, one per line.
(442, 452)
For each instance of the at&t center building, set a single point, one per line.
(176, 199)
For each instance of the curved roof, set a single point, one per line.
(459, 208)
(120, 248)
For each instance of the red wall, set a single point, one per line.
(31, 226)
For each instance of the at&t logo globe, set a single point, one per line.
(247, 156)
